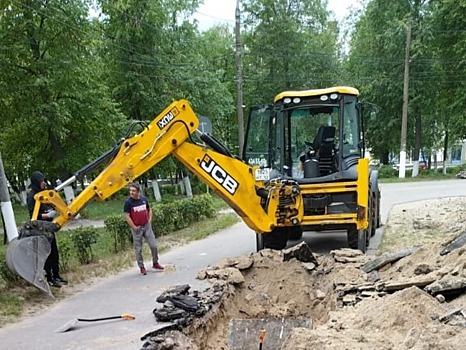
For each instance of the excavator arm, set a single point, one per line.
(262, 205)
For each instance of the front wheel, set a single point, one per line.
(357, 239)
(295, 233)
(276, 239)
(259, 241)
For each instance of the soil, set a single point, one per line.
(415, 302)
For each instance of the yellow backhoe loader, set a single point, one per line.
(265, 188)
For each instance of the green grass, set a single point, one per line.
(199, 230)
(101, 210)
(11, 304)
(21, 213)
(433, 177)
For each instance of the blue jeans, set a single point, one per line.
(146, 232)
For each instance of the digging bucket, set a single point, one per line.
(26, 255)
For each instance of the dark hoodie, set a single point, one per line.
(36, 178)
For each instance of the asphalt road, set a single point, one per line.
(130, 292)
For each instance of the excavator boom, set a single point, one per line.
(262, 205)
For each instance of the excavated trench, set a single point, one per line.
(296, 300)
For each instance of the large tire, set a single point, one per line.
(372, 216)
(295, 233)
(357, 239)
(362, 240)
(378, 215)
(259, 241)
(352, 236)
(276, 239)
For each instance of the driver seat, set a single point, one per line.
(324, 149)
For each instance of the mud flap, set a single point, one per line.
(245, 333)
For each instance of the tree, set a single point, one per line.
(51, 89)
(376, 62)
(448, 46)
(289, 44)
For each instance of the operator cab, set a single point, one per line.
(312, 136)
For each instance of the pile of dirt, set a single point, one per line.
(413, 302)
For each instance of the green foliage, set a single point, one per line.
(53, 98)
(180, 214)
(65, 247)
(168, 217)
(291, 45)
(7, 277)
(120, 232)
(387, 171)
(83, 239)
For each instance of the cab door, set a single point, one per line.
(259, 147)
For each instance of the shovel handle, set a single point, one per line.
(125, 316)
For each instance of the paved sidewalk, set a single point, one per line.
(126, 292)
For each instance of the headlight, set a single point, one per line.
(333, 96)
(287, 100)
(296, 100)
(324, 98)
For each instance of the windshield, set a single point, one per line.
(309, 127)
(285, 137)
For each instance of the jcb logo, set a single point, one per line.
(219, 175)
(167, 118)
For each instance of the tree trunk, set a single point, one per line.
(155, 187)
(187, 185)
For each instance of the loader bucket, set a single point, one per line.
(26, 255)
(264, 333)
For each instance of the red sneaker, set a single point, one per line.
(143, 270)
(157, 266)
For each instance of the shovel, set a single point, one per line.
(70, 324)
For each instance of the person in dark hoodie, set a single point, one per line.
(52, 264)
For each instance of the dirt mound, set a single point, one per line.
(411, 302)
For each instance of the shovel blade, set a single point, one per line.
(26, 257)
(244, 333)
(67, 326)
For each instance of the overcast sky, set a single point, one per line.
(223, 11)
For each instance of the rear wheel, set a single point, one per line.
(362, 240)
(372, 215)
(378, 219)
(357, 239)
(352, 236)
